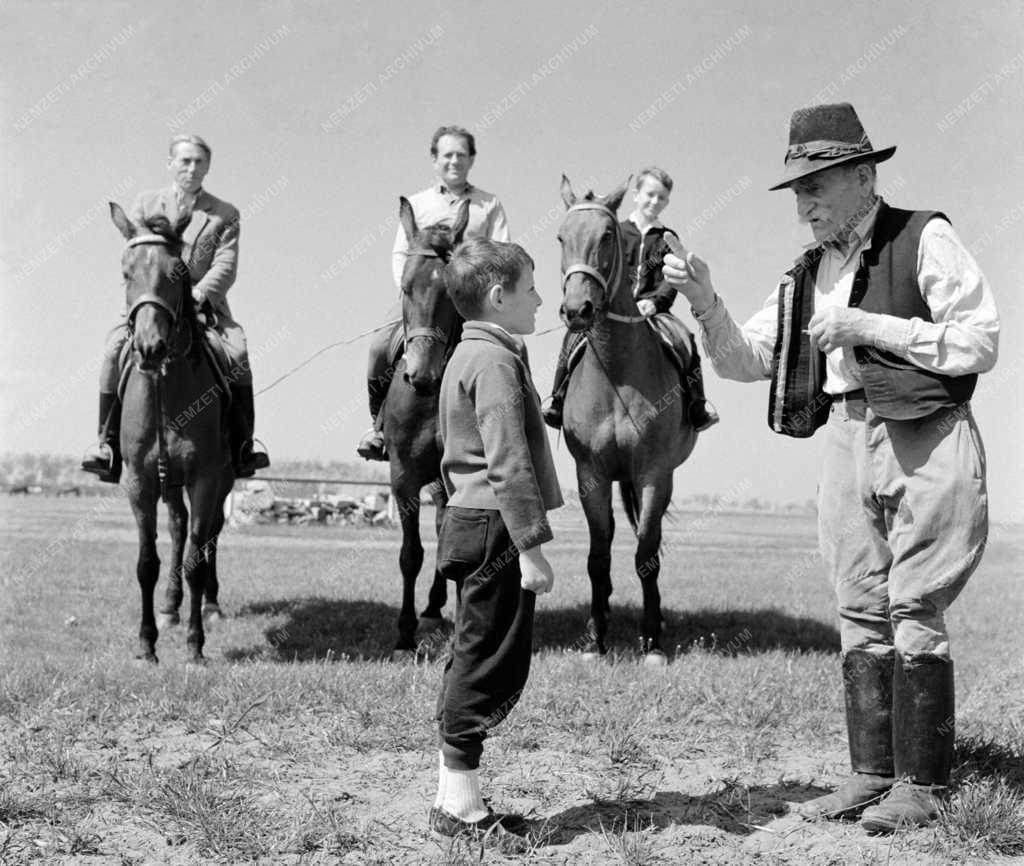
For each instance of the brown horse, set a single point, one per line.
(173, 429)
(624, 416)
(432, 328)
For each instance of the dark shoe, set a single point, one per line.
(551, 409)
(497, 829)
(703, 415)
(371, 446)
(867, 688)
(101, 460)
(923, 733)
(104, 458)
(249, 460)
(245, 459)
(848, 800)
(907, 805)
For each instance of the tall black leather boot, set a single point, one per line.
(924, 712)
(551, 408)
(371, 446)
(868, 687)
(242, 418)
(104, 458)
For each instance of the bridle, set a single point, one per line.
(175, 313)
(615, 277)
(437, 335)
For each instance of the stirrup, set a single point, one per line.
(250, 460)
(102, 460)
(372, 447)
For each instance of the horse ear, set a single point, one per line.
(568, 196)
(124, 225)
(406, 217)
(616, 195)
(461, 221)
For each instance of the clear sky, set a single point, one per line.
(320, 116)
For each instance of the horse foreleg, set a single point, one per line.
(438, 596)
(177, 520)
(147, 571)
(211, 608)
(201, 539)
(654, 501)
(410, 560)
(596, 498)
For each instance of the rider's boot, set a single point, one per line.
(104, 457)
(245, 458)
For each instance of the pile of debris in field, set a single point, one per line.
(258, 503)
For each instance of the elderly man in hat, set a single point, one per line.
(878, 334)
(452, 152)
(210, 251)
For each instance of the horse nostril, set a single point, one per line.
(586, 310)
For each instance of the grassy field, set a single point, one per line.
(300, 743)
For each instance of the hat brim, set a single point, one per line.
(803, 167)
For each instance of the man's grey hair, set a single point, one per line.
(192, 139)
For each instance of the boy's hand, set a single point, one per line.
(646, 307)
(538, 575)
(689, 274)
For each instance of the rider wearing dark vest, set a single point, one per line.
(885, 282)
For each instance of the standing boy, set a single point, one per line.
(500, 479)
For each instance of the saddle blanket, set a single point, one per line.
(674, 336)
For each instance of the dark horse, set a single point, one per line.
(173, 429)
(624, 416)
(432, 328)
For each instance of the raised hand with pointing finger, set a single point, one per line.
(689, 274)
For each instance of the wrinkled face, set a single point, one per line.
(453, 162)
(832, 201)
(518, 313)
(651, 198)
(188, 166)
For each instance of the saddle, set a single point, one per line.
(674, 336)
(213, 348)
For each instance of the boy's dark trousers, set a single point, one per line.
(493, 641)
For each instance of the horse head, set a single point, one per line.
(157, 283)
(592, 266)
(429, 316)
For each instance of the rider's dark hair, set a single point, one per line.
(456, 131)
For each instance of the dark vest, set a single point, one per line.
(885, 282)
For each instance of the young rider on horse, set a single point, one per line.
(211, 254)
(453, 151)
(643, 250)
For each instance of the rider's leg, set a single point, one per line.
(702, 413)
(552, 408)
(379, 374)
(104, 457)
(245, 457)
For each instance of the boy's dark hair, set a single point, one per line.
(477, 265)
(457, 131)
(659, 174)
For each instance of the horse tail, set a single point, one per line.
(630, 503)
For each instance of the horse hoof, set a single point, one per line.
(655, 659)
(212, 614)
(430, 624)
(165, 621)
(404, 656)
(147, 659)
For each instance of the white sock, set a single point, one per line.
(462, 795)
(442, 780)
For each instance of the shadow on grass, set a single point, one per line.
(980, 757)
(731, 632)
(315, 629)
(736, 810)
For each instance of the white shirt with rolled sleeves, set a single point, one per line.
(962, 339)
(438, 204)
